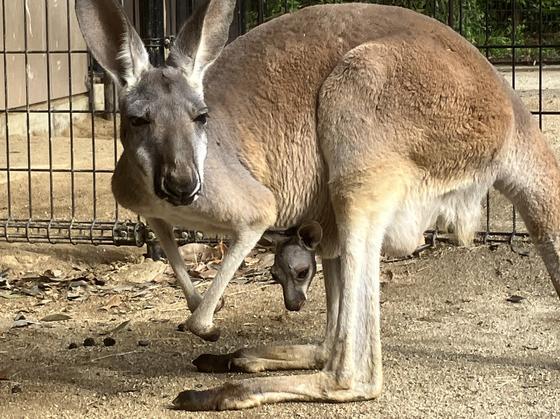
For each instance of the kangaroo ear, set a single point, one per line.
(202, 38)
(112, 40)
(310, 235)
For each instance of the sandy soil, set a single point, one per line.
(453, 345)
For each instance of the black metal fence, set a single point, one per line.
(60, 125)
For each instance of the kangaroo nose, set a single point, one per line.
(180, 190)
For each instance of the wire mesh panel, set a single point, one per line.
(59, 119)
(60, 142)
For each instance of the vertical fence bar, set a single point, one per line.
(6, 111)
(114, 113)
(152, 29)
(93, 154)
(26, 63)
(181, 12)
(450, 13)
(487, 51)
(260, 12)
(242, 17)
(49, 116)
(461, 16)
(513, 62)
(487, 28)
(540, 66)
(115, 141)
(513, 41)
(71, 110)
(239, 18)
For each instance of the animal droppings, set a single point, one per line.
(109, 341)
(89, 342)
(516, 299)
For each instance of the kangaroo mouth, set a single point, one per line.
(294, 305)
(176, 197)
(184, 200)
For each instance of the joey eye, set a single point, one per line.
(302, 274)
(136, 121)
(201, 119)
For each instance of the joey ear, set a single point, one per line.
(112, 40)
(202, 38)
(310, 235)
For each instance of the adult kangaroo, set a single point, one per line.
(372, 120)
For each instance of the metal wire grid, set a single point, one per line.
(67, 227)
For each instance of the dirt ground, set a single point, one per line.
(453, 345)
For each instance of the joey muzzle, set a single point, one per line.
(294, 298)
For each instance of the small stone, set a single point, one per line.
(516, 299)
(143, 343)
(182, 328)
(73, 345)
(16, 388)
(89, 342)
(109, 341)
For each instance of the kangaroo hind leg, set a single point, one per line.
(531, 180)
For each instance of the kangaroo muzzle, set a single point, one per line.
(179, 190)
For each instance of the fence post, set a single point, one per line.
(152, 29)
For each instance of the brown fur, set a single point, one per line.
(373, 120)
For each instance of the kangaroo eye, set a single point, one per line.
(136, 121)
(202, 119)
(302, 274)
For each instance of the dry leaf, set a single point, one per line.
(266, 260)
(56, 318)
(387, 276)
(5, 375)
(116, 329)
(114, 301)
(208, 273)
(21, 323)
(250, 261)
(8, 295)
(54, 275)
(77, 294)
(223, 249)
(199, 253)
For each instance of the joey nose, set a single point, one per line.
(179, 190)
(294, 304)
